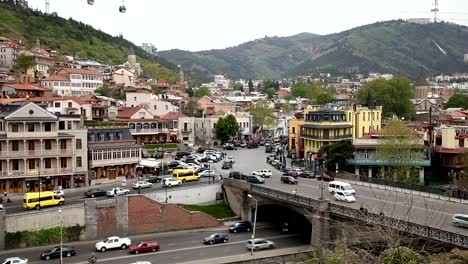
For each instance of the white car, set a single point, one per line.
(343, 196)
(263, 173)
(460, 220)
(194, 166)
(15, 260)
(168, 182)
(117, 191)
(259, 243)
(207, 173)
(113, 243)
(231, 159)
(142, 184)
(59, 193)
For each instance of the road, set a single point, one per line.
(76, 196)
(422, 210)
(176, 247)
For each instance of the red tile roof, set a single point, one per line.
(57, 78)
(80, 71)
(127, 112)
(172, 116)
(29, 87)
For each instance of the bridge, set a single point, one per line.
(324, 221)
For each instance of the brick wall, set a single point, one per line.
(145, 216)
(106, 221)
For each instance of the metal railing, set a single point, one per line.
(284, 196)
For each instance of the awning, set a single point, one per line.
(150, 163)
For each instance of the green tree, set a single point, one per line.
(202, 91)
(338, 152)
(263, 114)
(394, 95)
(192, 108)
(457, 100)
(399, 147)
(238, 86)
(325, 98)
(251, 86)
(288, 97)
(270, 92)
(227, 128)
(267, 84)
(287, 108)
(156, 89)
(307, 90)
(104, 90)
(24, 62)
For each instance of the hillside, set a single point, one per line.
(75, 38)
(396, 47)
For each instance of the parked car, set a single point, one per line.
(460, 220)
(168, 182)
(259, 243)
(241, 226)
(144, 246)
(325, 177)
(142, 184)
(255, 179)
(207, 173)
(237, 175)
(117, 192)
(153, 179)
(55, 252)
(180, 154)
(94, 192)
(59, 193)
(113, 242)
(243, 145)
(229, 146)
(307, 174)
(263, 173)
(343, 196)
(227, 165)
(289, 180)
(15, 260)
(216, 238)
(287, 172)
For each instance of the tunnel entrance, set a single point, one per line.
(277, 215)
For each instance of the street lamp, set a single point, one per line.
(255, 223)
(61, 236)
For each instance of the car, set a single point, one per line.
(226, 165)
(259, 243)
(95, 192)
(168, 182)
(113, 242)
(153, 179)
(343, 196)
(142, 184)
(59, 193)
(216, 238)
(307, 174)
(231, 159)
(261, 142)
(325, 177)
(243, 145)
(289, 180)
(237, 175)
(15, 260)
(144, 246)
(207, 173)
(255, 179)
(117, 192)
(287, 172)
(263, 173)
(229, 146)
(181, 154)
(173, 164)
(241, 226)
(460, 220)
(55, 252)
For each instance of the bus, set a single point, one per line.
(185, 175)
(43, 199)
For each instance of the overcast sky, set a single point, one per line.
(215, 24)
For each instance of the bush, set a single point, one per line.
(218, 211)
(43, 236)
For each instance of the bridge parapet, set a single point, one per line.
(306, 202)
(401, 225)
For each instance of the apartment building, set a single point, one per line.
(40, 150)
(74, 82)
(150, 102)
(7, 57)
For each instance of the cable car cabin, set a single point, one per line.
(122, 9)
(90, 2)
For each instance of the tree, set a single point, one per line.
(270, 92)
(338, 152)
(325, 98)
(393, 95)
(287, 107)
(457, 100)
(226, 128)
(202, 91)
(238, 86)
(192, 108)
(263, 114)
(24, 62)
(156, 71)
(307, 90)
(104, 90)
(288, 97)
(251, 86)
(189, 91)
(399, 147)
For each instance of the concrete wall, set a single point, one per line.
(46, 218)
(195, 195)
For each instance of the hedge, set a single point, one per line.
(42, 237)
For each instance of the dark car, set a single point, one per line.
(91, 193)
(242, 226)
(143, 247)
(306, 174)
(237, 175)
(153, 179)
(229, 146)
(227, 165)
(268, 149)
(261, 142)
(173, 164)
(181, 154)
(255, 179)
(55, 252)
(216, 238)
(289, 180)
(325, 177)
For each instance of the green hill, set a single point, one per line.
(397, 47)
(75, 38)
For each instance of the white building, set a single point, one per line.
(149, 48)
(123, 76)
(7, 58)
(74, 82)
(151, 103)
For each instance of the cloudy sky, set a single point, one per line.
(213, 24)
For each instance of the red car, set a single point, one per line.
(144, 246)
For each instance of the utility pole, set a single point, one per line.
(435, 10)
(47, 6)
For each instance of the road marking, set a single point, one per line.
(176, 257)
(171, 244)
(195, 241)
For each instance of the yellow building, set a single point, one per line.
(295, 141)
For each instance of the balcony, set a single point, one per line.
(148, 131)
(186, 131)
(376, 162)
(24, 135)
(36, 153)
(114, 162)
(328, 138)
(37, 173)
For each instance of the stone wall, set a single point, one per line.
(204, 194)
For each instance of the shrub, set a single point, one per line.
(43, 236)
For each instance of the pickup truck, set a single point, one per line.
(113, 242)
(117, 191)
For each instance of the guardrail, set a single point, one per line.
(405, 226)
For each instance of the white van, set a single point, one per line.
(338, 186)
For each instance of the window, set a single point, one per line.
(79, 143)
(57, 104)
(14, 127)
(48, 163)
(48, 144)
(294, 130)
(30, 127)
(118, 136)
(155, 107)
(63, 163)
(79, 162)
(69, 125)
(32, 164)
(363, 116)
(62, 125)
(15, 146)
(70, 104)
(15, 165)
(63, 144)
(47, 127)
(31, 145)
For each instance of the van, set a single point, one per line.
(43, 199)
(185, 175)
(338, 186)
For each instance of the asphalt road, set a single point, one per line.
(422, 210)
(176, 247)
(73, 197)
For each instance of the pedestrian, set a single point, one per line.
(294, 191)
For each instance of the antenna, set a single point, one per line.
(47, 5)
(435, 10)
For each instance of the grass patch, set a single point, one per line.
(218, 211)
(164, 146)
